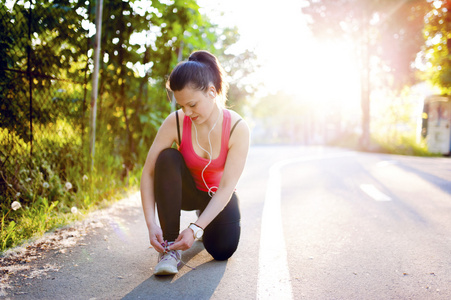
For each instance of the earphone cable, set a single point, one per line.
(210, 189)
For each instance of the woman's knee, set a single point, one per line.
(167, 157)
(222, 244)
(222, 254)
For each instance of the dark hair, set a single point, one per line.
(200, 71)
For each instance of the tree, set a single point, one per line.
(50, 30)
(238, 67)
(437, 34)
(45, 49)
(384, 28)
(133, 103)
(400, 40)
(140, 45)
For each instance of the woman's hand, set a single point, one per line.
(184, 241)
(156, 238)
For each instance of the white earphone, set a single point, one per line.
(211, 192)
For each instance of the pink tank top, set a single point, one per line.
(196, 164)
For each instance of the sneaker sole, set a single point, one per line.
(168, 271)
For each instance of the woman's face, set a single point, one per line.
(198, 105)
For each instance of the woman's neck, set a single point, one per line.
(214, 119)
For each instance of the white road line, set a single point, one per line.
(384, 163)
(273, 278)
(273, 273)
(374, 193)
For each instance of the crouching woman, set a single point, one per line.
(202, 173)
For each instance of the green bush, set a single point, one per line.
(56, 184)
(402, 144)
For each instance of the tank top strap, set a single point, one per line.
(178, 125)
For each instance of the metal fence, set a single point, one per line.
(43, 92)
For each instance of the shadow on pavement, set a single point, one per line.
(439, 182)
(198, 283)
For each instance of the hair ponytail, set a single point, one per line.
(200, 71)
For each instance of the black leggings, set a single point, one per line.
(175, 190)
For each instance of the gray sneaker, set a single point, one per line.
(168, 262)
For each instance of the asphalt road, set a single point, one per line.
(317, 223)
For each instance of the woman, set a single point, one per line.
(202, 174)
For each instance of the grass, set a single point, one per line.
(54, 187)
(400, 144)
(404, 145)
(32, 220)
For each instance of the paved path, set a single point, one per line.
(338, 224)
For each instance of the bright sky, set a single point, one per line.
(291, 59)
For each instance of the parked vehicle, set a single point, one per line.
(436, 127)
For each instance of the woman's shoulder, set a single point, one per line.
(171, 118)
(239, 131)
(234, 116)
(237, 121)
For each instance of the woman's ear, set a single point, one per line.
(212, 91)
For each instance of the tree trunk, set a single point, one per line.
(365, 83)
(127, 153)
(95, 79)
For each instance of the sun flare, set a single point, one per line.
(291, 59)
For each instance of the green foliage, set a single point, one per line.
(8, 234)
(437, 33)
(31, 221)
(45, 63)
(61, 40)
(154, 38)
(54, 185)
(395, 123)
(238, 67)
(402, 144)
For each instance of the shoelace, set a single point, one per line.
(172, 253)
